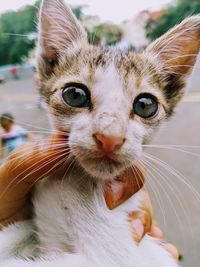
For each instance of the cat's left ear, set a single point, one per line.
(58, 30)
(177, 51)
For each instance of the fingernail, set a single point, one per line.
(117, 191)
(156, 232)
(138, 227)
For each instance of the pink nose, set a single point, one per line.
(109, 143)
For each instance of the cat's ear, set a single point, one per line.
(58, 30)
(177, 50)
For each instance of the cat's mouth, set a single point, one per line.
(105, 166)
(107, 157)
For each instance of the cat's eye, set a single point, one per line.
(76, 95)
(145, 106)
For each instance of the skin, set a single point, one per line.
(38, 159)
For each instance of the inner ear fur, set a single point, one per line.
(175, 54)
(178, 49)
(58, 31)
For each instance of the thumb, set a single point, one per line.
(22, 169)
(37, 159)
(124, 186)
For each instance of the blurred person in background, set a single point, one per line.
(14, 72)
(37, 84)
(11, 134)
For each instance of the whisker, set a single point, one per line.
(30, 173)
(175, 173)
(176, 148)
(175, 192)
(184, 146)
(156, 194)
(46, 173)
(14, 34)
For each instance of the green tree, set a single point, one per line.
(17, 29)
(78, 11)
(106, 34)
(173, 15)
(15, 34)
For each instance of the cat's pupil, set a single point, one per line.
(145, 106)
(76, 97)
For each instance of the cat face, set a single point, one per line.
(108, 101)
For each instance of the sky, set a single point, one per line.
(107, 10)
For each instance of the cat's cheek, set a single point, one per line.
(81, 133)
(135, 137)
(146, 130)
(151, 132)
(82, 124)
(60, 123)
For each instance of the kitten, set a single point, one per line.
(109, 103)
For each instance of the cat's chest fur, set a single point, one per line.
(75, 228)
(71, 216)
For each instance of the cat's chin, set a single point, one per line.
(102, 169)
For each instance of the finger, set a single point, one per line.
(156, 232)
(137, 229)
(145, 211)
(124, 186)
(172, 250)
(32, 160)
(144, 215)
(140, 223)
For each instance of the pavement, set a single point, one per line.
(174, 183)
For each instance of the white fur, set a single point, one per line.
(75, 228)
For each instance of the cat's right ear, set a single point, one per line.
(176, 53)
(58, 30)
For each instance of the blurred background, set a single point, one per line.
(174, 165)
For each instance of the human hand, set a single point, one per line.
(23, 168)
(140, 222)
(34, 161)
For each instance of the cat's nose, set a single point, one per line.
(108, 143)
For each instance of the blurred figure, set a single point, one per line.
(11, 134)
(14, 72)
(2, 79)
(37, 84)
